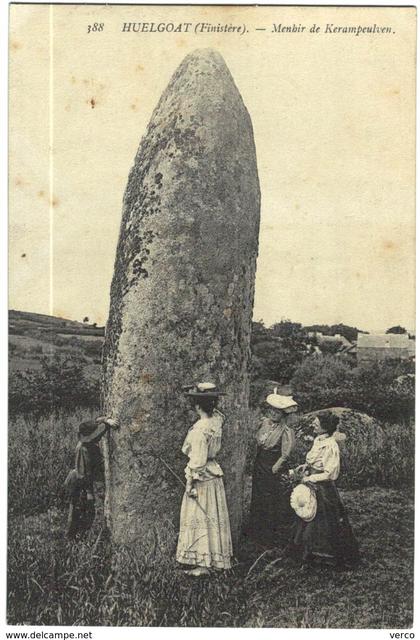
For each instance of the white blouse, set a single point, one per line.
(201, 445)
(324, 459)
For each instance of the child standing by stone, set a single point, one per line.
(88, 468)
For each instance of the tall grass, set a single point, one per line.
(390, 465)
(93, 582)
(41, 453)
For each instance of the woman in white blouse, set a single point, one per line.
(204, 535)
(328, 537)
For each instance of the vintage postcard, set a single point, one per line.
(211, 317)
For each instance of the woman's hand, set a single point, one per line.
(190, 490)
(306, 480)
(277, 466)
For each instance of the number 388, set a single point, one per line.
(96, 26)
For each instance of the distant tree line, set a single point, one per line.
(281, 354)
(350, 333)
(284, 353)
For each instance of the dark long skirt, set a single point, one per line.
(271, 516)
(328, 538)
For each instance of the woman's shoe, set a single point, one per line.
(198, 571)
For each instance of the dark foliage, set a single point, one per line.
(60, 384)
(276, 353)
(330, 347)
(385, 390)
(397, 329)
(341, 329)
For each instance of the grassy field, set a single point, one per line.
(51, 581)
(92, 582)
(34, 336)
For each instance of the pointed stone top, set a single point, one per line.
(204, 77)
(205, 55)
(204, 65)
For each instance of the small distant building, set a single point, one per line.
(372, 347)
(322, 339)
(412, 349)
(349, 352)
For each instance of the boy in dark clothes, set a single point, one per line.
(88, 468)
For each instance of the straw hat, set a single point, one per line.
(202, 390)
(285, 403)
(303, 502)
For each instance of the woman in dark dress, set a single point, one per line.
(327, 538)
(271, 516)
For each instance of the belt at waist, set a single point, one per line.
(314, 471)
(274, 451)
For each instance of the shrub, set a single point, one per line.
(380, 389)
(277, 351)
(378, 393)
(60, 384)
(322, 381)
(330, 347)
(350, 333)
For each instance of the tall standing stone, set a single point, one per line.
(181, 295)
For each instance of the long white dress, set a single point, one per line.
(204, 531)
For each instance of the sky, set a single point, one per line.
(333, 119)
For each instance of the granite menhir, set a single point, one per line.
(181, 296)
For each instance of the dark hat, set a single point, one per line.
(90, 430)
(202, 390)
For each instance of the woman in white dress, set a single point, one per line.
(204, 534)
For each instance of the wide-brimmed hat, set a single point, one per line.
(202, 390)
(284, 403)
(303, 502)
(90, 430)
